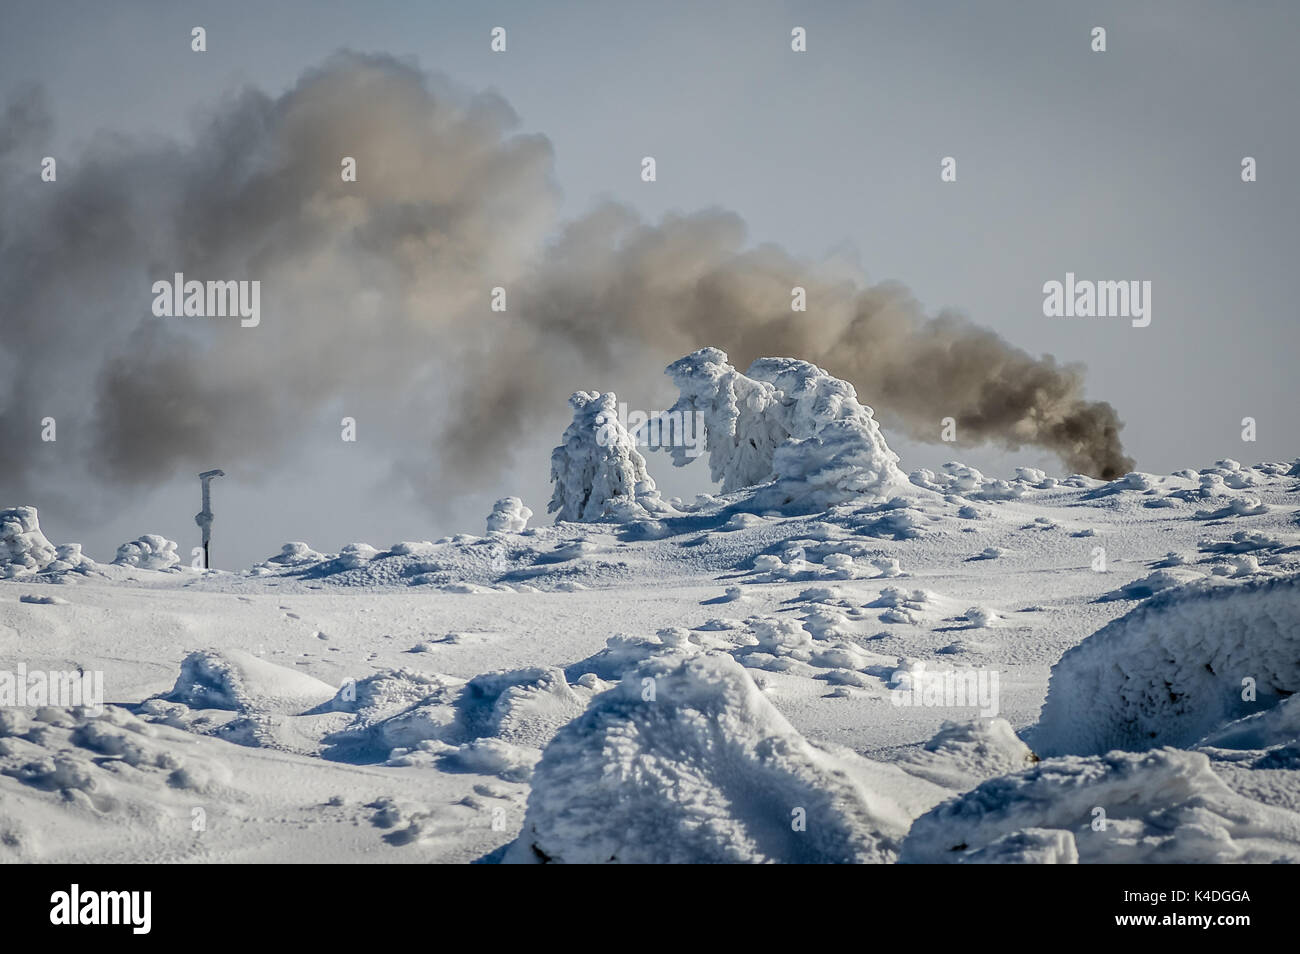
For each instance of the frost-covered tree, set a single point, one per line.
(597, 471)
(741, 430)
(787, 421)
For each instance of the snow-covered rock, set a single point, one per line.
(408, 717)
(1152, 583)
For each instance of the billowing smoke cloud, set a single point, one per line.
(375, 297)
(690, 281)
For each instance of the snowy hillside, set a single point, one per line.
(830, 660)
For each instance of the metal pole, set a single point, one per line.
(204, 517)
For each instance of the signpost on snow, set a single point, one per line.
(204, 517)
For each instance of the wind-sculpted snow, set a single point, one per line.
(494, 724)
(1160, 807)
(963, 754)
(686, 761)
(1271, 728)
(969, 483)
(786, 421)
(742, 429)
(243, 682)
(1175, 669)
(296, 553)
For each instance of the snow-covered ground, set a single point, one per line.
(753, 676)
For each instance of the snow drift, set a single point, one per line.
(496, 723)
(686, 761)
(242, 682)
(1175, 669)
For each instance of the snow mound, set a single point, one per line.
(1174, 669)
(509, 762)
(967, 482)
(597, 471)
(1151, 584)
(509, 515)
(786, 421)
(1164, 806)
(240, 681)
(23, 548)
(686, 761)
(39, 600)
(384, 693)
(1236, 507)
(981, 617)
(963, 754)
(296, 554)
(1242, 541)
(149, 552)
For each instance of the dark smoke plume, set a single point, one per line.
(375, 297)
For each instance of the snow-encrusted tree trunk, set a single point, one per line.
(597, 471)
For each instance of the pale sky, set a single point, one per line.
(1117, 165)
